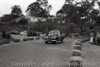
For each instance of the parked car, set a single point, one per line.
(23, 33)
(54, 36)
(14, 32)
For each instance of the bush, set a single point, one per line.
(6, 41)
(16, 40)
(37, 38)
(25, 39)
(8, 35)
(1, 43)
(31, 38)
(31, 33)
(3, 34)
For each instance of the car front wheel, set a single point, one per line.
(46, 42)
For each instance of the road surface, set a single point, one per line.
(35, 54)
(91, 55)
(38, 54)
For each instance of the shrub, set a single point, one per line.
(3, 34)
(37, 38)
(6, 41)
(16, 40)
(8, 35)
(31, 38)
(1, 43)
(25, 39)
(31, 33)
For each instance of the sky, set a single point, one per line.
(5, 5)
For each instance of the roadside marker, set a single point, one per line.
(76, 58)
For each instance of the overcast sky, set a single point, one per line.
(5, 5)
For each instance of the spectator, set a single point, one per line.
(98, 37)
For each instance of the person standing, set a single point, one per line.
(98, 37)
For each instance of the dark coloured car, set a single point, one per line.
(54, 36)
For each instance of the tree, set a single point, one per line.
(39, 9)
(16, 11)
(79, 13)
(6, 18)
(42, 26)
(23, 21)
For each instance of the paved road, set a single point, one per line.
(38, 54)
(35, 54)
(91, 54)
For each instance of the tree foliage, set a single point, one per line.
(39, 9)
(6, 18)
(79, 13)
(16, 11)
(23, 21)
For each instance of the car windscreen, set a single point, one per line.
(54, 33)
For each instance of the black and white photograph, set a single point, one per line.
(49, 33)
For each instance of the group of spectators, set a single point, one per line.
(95, 37)
(73, 35)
